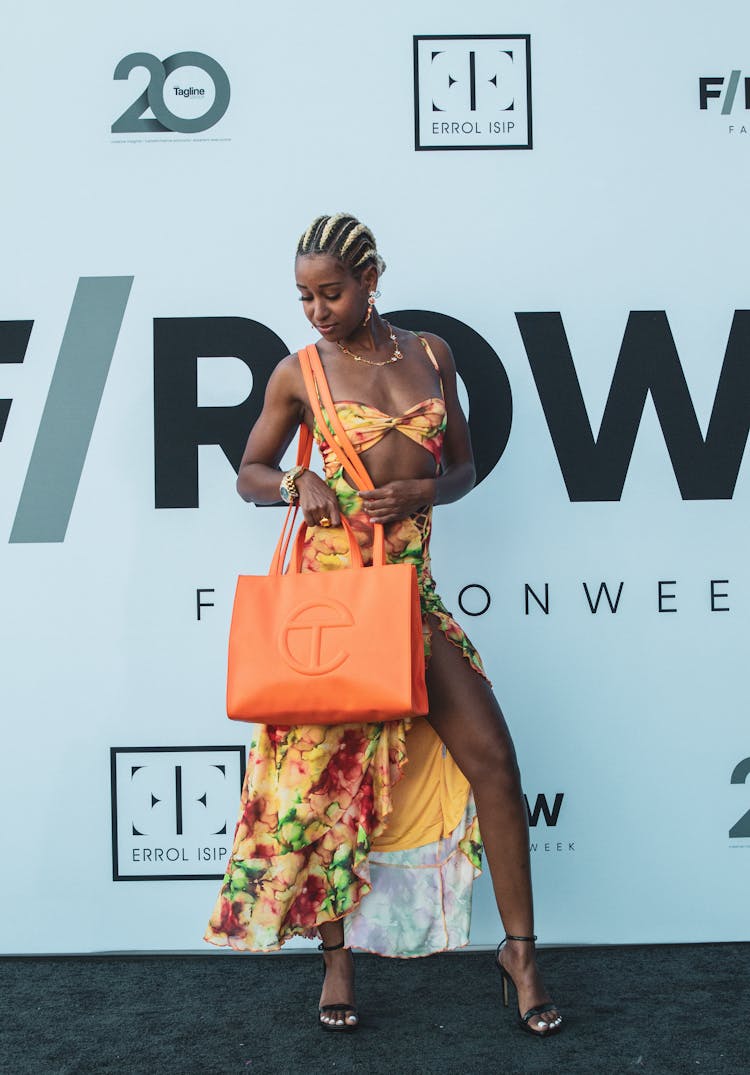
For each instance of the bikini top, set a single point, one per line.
(424, 423)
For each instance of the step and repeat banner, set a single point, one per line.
(561, 194)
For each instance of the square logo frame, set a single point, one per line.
(174, 810)
(476, 122)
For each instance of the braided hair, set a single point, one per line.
(343, 237)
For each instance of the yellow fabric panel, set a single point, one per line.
(430, 799)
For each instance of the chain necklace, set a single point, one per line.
(359, 358)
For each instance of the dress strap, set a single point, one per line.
(428, 349)
(432, 359)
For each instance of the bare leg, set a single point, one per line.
(466, 716)
(338, 986)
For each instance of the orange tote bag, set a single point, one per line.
(335, 647)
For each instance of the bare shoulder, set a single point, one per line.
(441, 351)
(286, 381)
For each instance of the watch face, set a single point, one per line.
(284, 494)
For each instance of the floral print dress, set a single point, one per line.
(330, 824)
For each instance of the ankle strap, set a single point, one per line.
(331, 947)
(513, 937)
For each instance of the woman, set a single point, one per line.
(325, 814)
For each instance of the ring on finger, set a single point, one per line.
(324, 521)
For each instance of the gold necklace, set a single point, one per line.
(359, 358)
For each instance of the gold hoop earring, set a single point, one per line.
(370, 304)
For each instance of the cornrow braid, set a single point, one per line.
(344, 237)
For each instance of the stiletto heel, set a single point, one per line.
(539, 1009)
(336, 1007)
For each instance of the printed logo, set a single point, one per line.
(173, 811)
(542, 809)
(547, 810)
(594, 467)
(474, 599)
(472, 92)
(187, 93)
(302, 637)
(726, 96)
(741, 828)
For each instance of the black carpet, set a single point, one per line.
(658, 1010)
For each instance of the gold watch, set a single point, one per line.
(288, 489)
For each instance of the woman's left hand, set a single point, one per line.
(398, 499)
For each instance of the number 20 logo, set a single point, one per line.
(132, 120)
(741, 828)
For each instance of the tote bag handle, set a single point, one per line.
(319, 393)
(316, 383)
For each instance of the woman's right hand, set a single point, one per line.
(317, 500)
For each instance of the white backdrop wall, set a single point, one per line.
(631, 726)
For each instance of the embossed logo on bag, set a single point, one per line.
(304, 642)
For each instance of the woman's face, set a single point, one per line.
(334, 301)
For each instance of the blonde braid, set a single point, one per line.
(344, 237)
(353, 234)
(332, 222)
(304, 244)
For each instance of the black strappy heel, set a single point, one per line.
(540, 1009)
(336, 1007)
